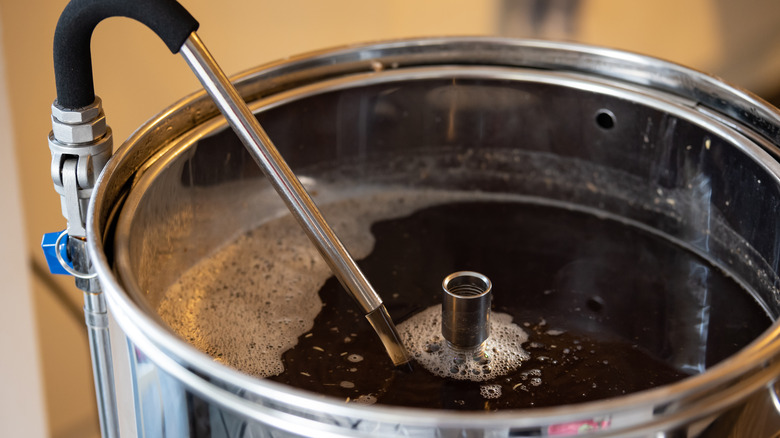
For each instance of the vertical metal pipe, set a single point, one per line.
(466, 298)
(80, 143)
(96, 319)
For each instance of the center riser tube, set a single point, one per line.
(466, 299)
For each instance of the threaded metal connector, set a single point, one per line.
(465, 310)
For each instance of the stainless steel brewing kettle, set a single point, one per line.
(601, 129)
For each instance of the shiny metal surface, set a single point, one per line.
(79, 132)
(102, 365)
(292, 192)
(465, 309)
(717, 200)
(82, 115)
(96, 320)
(80, 143)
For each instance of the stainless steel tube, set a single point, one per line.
(465, 310)
(279, 174)
(96, 319)
(291, 190)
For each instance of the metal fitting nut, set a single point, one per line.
(85, 132)
(77, 115)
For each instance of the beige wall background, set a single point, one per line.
(137, 77)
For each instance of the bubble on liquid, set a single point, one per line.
(367, 399)
(490, 391)
(502, 353)
(432, 347)
(355, 358)
(346, 384)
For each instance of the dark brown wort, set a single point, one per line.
(609, 309)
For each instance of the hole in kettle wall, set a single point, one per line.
(605, 119)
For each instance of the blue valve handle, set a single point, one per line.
(49, 246)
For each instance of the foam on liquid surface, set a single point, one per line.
(421, 335)
(248, 303)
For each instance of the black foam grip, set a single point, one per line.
(72, 58)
